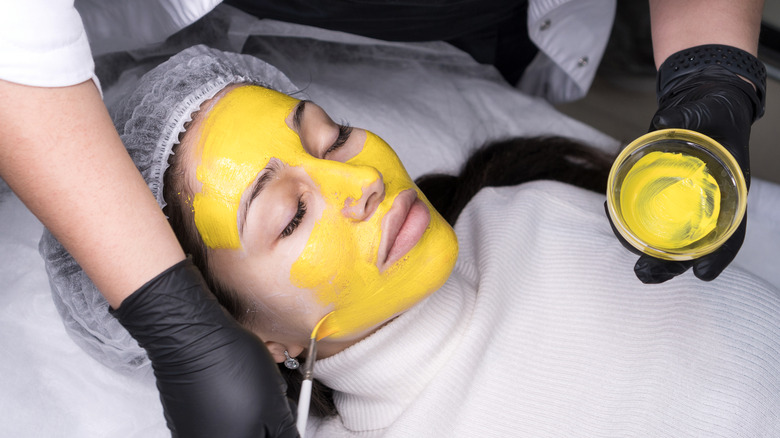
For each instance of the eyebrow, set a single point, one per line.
(298, 115)
(266, 175)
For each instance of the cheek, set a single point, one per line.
(285, 311)
(252, 278)
(340, 257)
(339, 254)
(263, 285)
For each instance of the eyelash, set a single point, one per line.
(296, 220)
(344, 131)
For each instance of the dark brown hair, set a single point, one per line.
(514, 161)
(501, 163)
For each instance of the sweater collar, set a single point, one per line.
(375, 380)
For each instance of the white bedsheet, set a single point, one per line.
(429, 101)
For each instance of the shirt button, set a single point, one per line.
(582, 62)
(545, 25)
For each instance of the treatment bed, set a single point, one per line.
(431, 102)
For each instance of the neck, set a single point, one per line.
(327, 347)
(414, 346)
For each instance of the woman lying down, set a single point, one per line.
(529, 323)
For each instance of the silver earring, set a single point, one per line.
(291, 362)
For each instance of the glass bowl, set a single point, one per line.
(676, 194)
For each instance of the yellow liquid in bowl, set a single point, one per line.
(670, 200)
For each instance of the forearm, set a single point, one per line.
(680, 24)
(713, 90)
(61, 155)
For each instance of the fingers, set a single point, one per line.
(673, 118)
(650, 270)
(714, 117)
(705, 115)
(708, 267)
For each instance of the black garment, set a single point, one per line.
(491, 31)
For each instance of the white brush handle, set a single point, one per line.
(303, 407)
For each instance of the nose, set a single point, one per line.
(355, 189)
(373, 193)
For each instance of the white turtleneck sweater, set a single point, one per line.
(544, 331)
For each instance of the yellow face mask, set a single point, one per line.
(243, 131)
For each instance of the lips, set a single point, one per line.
(402, 227)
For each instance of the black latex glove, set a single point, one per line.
(698, 89)
(215, 378)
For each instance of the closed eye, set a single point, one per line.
(296, 220)
(344, 132)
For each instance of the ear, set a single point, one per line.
(277, 350)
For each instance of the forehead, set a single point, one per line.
(248, 109)
(243, 122)
(239, 119)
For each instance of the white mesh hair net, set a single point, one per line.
(149, 121)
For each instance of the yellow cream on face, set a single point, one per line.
(243, 131)
(340, 259)
(670, 200)
(236, 143)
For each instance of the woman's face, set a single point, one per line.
(302, 216)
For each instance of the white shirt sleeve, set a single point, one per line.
(571, 36)
(43, 43)
(114, 25)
